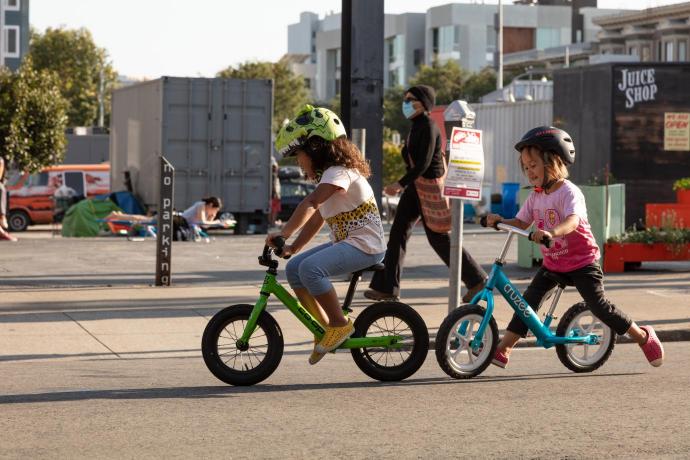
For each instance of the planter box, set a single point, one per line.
(683, 197)
(617, 255)
(660, 215)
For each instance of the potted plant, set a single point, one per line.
(682, 189)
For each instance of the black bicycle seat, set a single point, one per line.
(561, 280)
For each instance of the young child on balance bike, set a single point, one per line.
(557, 209)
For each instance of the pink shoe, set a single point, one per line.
(500, 360)
(652, 348)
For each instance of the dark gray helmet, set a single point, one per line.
(549, 139)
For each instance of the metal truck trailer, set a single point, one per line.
(215, 132)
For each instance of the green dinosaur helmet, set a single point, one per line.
(309, 122)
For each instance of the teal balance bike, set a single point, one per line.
(243, 344)
(467, 339)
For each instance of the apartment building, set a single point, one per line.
(463, 32)
(14, 32)
(656, 34)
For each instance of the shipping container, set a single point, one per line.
(629, 118)
(215, 132)
(86, 149)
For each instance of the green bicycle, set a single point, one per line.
(243, 344)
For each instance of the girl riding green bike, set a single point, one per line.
(344, 199)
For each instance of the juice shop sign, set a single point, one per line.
(638, 86)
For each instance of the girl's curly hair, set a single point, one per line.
(340, 152)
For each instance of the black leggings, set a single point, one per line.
(589, 283)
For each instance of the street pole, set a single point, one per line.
(499, 77)
(457, 218)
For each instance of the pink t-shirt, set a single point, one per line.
(574, 250)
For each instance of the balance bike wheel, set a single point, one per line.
(385, 319)
(453, 351)
(579, 320)
(241, 365)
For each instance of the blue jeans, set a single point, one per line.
(311, 269)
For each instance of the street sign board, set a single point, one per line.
(465, 165)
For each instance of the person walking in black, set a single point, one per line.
(422, 197)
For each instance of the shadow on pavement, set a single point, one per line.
(204, 392)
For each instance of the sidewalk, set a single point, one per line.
(88, 298)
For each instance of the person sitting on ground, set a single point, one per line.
(345, 200)
(202, 213)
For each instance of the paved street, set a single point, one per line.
(95, 363)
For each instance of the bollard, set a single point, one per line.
(165, 224)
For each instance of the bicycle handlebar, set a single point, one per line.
(509, 228)
(279, 241)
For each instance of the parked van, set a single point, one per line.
(33, 197)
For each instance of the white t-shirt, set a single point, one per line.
(196, 213)
(351, 213)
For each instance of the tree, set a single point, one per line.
(393, 164)
(289, 91)
(393, 117)
(447, 79)
(478, 84)
(33, 117)
(80, 66)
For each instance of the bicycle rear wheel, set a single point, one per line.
(241, 364)
(579, 321)
(453, 351)
(386, 319)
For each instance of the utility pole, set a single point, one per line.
(499, 76)
(361, 78)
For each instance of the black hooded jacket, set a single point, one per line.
(423, 149)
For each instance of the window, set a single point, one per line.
(548, 38)
(418, 57)
(75, 181)
(38, 180)
(646, 54)
(390, 45)
(632, 51)
(659, 57)
(682, 50)
(12, 41)
(12, 5)
(669, 52)
(307, 83)
(434, 41)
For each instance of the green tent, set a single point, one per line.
(82, 219)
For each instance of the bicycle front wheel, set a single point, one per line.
(236, 363)
(579, 321)
(454, 353)
(395, 363)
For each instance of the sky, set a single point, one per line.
(151, 38)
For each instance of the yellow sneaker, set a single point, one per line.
(334, 337)
(315, 357)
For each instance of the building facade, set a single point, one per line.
(14, 32)
(464, 33)
(659, 34)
